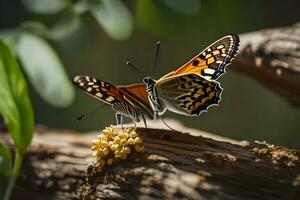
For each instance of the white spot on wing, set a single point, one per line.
(89, 89)
(220, 47)
(98, 94)
(209, 71)
(110, 99)
(87, 79)
(77, 79)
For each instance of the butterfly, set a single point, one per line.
(189, 90)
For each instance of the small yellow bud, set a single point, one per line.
(95, 154)
(138, 140)
(110, 161)
(104, 143)
(114, 147)
(110, 143)
(117, 152)
(101, 162)
(95, 142)
(123, 142)
(123, 135)
(117, 139)
(99, 153)
(105, 131)
(133, 134)
(127, 150)
(105, 151)
(122, 155)
(94, 147)
(118, 147)
(130, 141)
(123, 150)
(102, 137)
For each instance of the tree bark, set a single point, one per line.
(272, 56)
(175, 165)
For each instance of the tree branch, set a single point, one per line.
(272, 56)
(175, 165)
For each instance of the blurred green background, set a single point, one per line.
(97, 37)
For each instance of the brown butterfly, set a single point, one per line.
(189, 90)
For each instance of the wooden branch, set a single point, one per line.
(175, 165)
(272, 56)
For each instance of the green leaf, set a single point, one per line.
(45, 70)
(81, 7)
(45, 7)
(15, 106)
(37, 28)
(10, 37)
(114, 17)
(5, 160)
(65, 26)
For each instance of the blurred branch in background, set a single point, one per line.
(273, 57)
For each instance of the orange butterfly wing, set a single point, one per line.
(211, 62)
(135, 94)
(192, 88)
(139, 92)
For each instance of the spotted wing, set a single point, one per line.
(211, 62)
(100, 90)
(135, 94)
(188, 94)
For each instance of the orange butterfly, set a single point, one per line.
(189, 90)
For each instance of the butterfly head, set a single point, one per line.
(149, 82)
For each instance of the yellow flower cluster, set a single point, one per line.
(113, 145)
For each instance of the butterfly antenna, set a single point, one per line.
(135, 68)
(85, 115)
(167, 124)
(156, 56)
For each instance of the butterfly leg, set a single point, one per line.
(160, 117)
(119, 119)
(144, 120)
(134, 124)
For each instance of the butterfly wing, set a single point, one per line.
(188, 94)
(139, 93)
(132, 95)
(100, 90)
(211, 62)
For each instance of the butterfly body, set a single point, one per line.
(189, 90)
(156, 103)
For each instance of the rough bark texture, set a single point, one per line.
(175, 165)
(273, 57)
